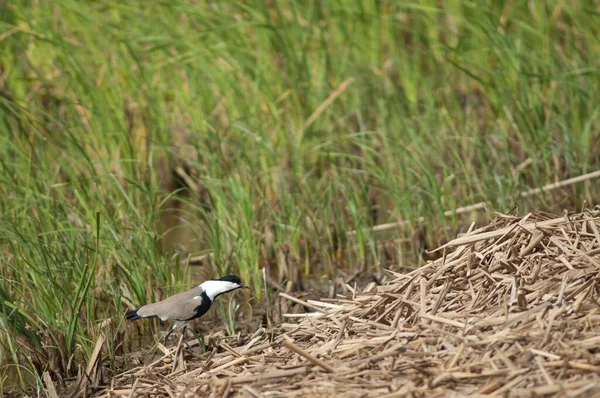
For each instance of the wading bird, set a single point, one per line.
(186, 306)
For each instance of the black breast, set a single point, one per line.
(203, 308)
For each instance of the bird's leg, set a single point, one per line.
(184, 340)
(169, 334)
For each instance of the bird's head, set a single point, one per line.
(228, 283)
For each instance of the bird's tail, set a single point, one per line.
(132, 315)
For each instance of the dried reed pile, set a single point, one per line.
(509, 310)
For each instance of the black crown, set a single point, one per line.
(232, 279)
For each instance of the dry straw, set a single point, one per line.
(509, 310)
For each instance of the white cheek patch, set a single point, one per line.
(213, 288)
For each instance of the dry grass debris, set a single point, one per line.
(510, 309)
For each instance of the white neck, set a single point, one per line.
(214, 288)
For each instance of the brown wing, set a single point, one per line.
(180, 306)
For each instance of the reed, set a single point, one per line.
(133, 136)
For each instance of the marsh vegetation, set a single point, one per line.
(252, 138)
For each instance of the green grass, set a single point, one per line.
(101, 101)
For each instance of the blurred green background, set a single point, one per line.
(136, 134)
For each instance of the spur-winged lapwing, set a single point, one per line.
(186, 306)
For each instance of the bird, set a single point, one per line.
(183, 307)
